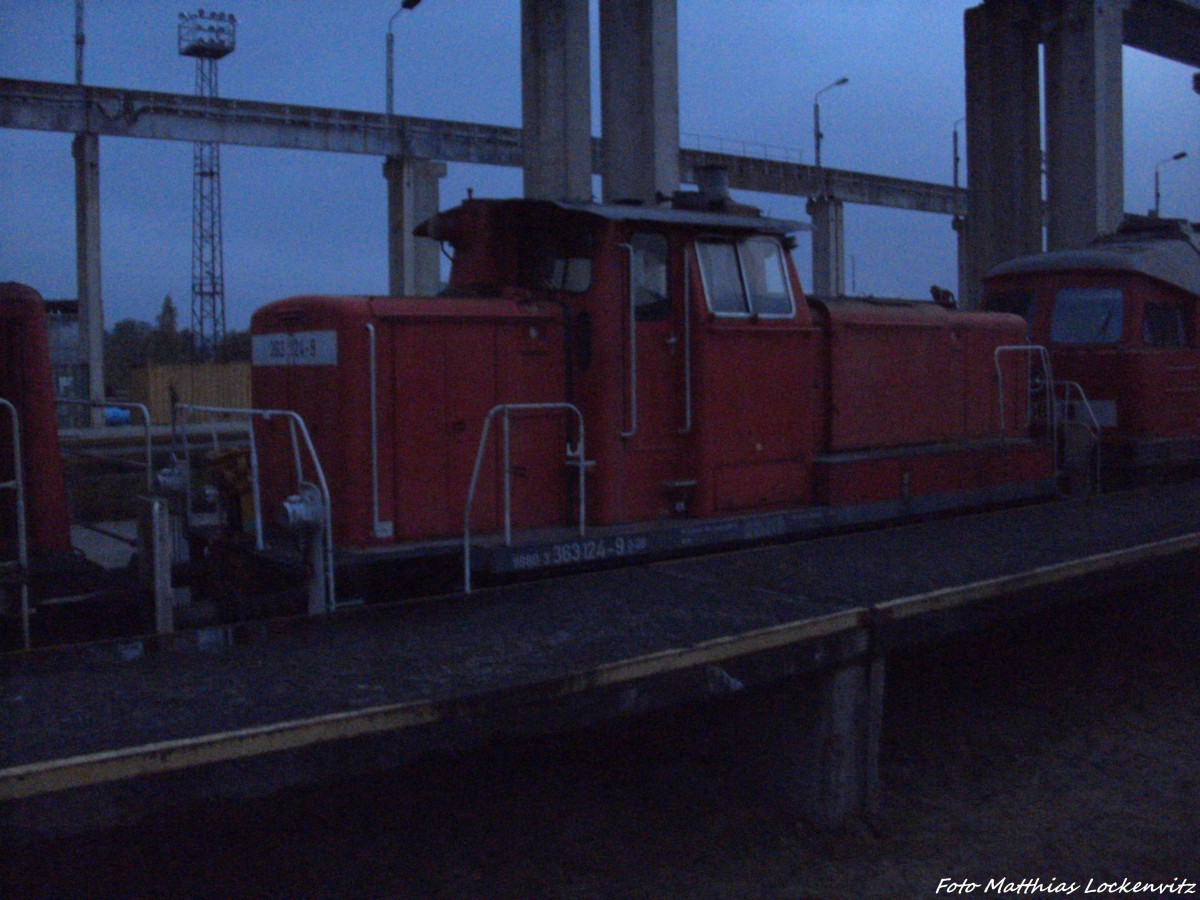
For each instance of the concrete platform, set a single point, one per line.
(380, 684)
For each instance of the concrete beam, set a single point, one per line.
(771, 176)
(1167, 28)
(1085, 165)
(639, 99)
(116, 112)
(414, 263)
(556, 106)
(49, 106)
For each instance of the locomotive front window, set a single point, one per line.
(1087, 316)
(746, 278)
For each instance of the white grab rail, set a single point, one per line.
(18, 486)
(577, 452)
(1031, 352)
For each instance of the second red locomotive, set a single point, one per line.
(1119, 318)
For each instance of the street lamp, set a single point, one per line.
(391, 55)
(957, 158)
(817, 115)
(1180, 155)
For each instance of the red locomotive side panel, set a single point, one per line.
(26, 382)
(440, 366)
(917, 373)
(913, 404)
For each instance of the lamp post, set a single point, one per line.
(957, 158)
(817, 116)
(391, 54)
(79, 41)
(1180, 155)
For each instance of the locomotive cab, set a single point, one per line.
(1120, 319)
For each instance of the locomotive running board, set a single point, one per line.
(561, 548)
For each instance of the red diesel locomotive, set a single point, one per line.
(599, 382)
(1119, 318)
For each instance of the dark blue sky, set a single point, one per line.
(300, 221)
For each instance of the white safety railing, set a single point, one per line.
(17, 485)
(1069, 413)
(1060, 407)
(298, 433)
(575, 455)
(1035, 356)
(123, 404)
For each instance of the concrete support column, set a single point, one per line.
(828, 246)
(556, 105)
(413, 195)
(1003, 140)
(959, 224)
(1085, 193)
(86, 150)
(812, 744)
(639, 99)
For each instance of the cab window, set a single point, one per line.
(745, 278)
(1163, 325)
(651, 301)
(1019, 302)
(1087, 316)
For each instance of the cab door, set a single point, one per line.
(657, 414)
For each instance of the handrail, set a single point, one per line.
(687, 344)
(633, 416)
(17, 485)
(379, 529)
(1092, 425)
(295, 422)
(122, 404)
(577, 452)
(1070, 387)
(1031, 352)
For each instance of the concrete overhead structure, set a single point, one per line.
(556, 99)
(413, 195)
(639, 99)
(828, 246)
(1084, 139)
(86, 150)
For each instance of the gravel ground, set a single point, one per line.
(530, 632)
(1063, 747)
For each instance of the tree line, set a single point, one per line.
(132, 343)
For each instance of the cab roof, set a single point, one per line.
(733, 217)
(1165, 249)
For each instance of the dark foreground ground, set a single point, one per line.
(1063, 748)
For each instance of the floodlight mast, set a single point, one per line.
(207, 37)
